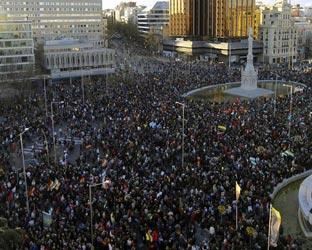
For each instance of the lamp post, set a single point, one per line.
(45, 96)
(183, 120)
(52, 120)
(24, 169)
(290, 107)
(91, 210)
(275, 90)
(46, 145)
(230, 55)
(82, 89)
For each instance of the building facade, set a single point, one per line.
(154, 20)
(127, 12)
(279, 34)
(55, 19)
(213, 18)
(16, 48)
(72, 58)
(304, 33)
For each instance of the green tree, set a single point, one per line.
(128, 31)
(10, 238)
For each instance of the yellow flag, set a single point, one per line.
(275, 223)
(237, 190)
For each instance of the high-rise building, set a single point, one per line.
(154, 20)
(126, 12)
(53, 19)
(16, 47)
(192, 18)
(213, 18)
(279, 34)
(240, 15)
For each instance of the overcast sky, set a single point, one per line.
(110, 4)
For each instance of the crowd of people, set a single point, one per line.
(131, 131)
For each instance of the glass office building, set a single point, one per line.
(16, 47)
(55, 19)
(213, 18)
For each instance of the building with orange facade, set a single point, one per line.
(209, 19)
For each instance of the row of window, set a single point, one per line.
(15, 36)
(17, 51)
(54, 3)
(70, 60)
(14, 60)
(53, 9)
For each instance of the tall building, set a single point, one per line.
(304, 34)
(192, 18)
(154, 20)
(127, 12)
(54, 19)
(279, 34)
(16, 47)
(213, 18)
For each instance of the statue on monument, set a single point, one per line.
(249, 87)
(249, 74)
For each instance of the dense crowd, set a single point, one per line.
(131, 130)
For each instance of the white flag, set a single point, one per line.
(237, 191)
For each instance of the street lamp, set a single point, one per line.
(275, 90)
(46, 145)
(183, 120)
(290, 106)
(45, 95)
(82, 88)
(24, 169)
(91, 209)
(52, 120)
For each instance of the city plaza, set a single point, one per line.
(127, 133)
(120, 148)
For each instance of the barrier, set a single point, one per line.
(287, 181)
(192, 92)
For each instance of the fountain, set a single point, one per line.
(249, 87)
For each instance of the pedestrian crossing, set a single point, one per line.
(76, 140)
(31, 150)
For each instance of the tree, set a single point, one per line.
(128, 31)
(10, 238)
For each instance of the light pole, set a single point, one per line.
(91, 209)
(82, 89)
(45, 96)
(24, 169)
(52, 120)
(230, 55)
(290, 107)
(183, 120)
(46, 145)
(275, 90)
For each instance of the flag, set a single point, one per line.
(31, 191)
(274, 224)
(222, 128)
(237, 190)
(288, 153)
(46, 219)
(50, 185)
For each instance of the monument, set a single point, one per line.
(305, 206)
(249, 87)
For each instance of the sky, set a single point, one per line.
(110, 4)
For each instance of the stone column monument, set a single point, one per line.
(249, 88)
(249, 75)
